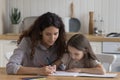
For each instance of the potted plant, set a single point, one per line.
(15, 18)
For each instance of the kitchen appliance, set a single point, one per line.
(113, 34)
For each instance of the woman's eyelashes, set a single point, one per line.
(49, 34)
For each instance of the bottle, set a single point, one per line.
(95, 26)
(102, 26)
(91, 23)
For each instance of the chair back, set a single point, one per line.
(106, 58)
(8, 55)
(28, 21)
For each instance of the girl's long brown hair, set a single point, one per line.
(42, 22)
(81, 43)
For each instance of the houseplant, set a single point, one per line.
(15, 18)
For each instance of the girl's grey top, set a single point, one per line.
(21, 56)
(70, 63)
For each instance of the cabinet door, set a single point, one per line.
(0, 54)
(97, 47)
(6, 47)
(111, 47)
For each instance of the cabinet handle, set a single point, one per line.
(118, 49)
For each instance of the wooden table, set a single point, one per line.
(4, 76)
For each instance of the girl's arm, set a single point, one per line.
(96, 70)
(57, 63)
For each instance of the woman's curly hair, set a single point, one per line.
(42, 22)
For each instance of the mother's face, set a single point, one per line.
(49, 36)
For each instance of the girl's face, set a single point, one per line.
(49, 36)
(75, 53)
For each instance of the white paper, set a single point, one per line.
(63, 73)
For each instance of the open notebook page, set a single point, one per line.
(63, 73)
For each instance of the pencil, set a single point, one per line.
(48, 60)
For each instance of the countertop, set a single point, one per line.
(97, 38)
(93, 38)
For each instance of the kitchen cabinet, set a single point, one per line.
(97, 47)
(0, 54)
(111, 47)
(5, 47)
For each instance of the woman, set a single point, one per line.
(39, 46)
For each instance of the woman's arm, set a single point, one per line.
(35, 70)
(96, 70)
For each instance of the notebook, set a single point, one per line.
(63, 73)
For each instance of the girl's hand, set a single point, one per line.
(74, 70)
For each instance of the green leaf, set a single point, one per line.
(15, 16)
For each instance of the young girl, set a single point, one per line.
(80, 56)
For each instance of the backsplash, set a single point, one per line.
(107, 9)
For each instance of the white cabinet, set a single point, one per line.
(5, 47)
(97, 47)
(111, 47)
(0, 54)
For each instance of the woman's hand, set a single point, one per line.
(54, 68)
(47, 70)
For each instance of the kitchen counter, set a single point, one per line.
(93, 38)
(97, 38)
(9, 36)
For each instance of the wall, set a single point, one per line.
(0, 19)
(2, 12)
(107, 9)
